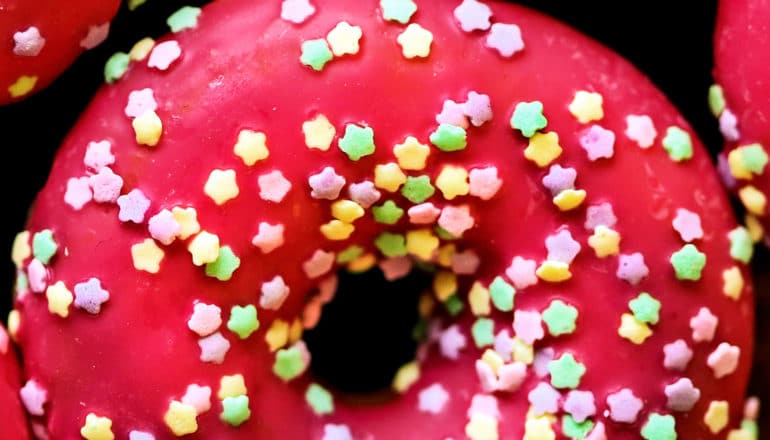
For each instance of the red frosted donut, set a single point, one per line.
(741, 101)
(585, 282)
(14, 425)
(41, 38)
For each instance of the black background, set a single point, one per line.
(669, 40)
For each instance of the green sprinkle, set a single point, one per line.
(319, 399)
(398, 10)
(116, 67)
(688, 263)
(454, 305)
(566, 372)
(754, 158)
(288, 363)
(659, 427)
(420, 330)
(133, 4)
(223, 267)
(391, 245)
(645, 308)
(502, 294)
(444, 234)
(678, 144)
(528, 118)
(560, 318)
(316, 53)
(573, 429)
(716, 100)
(357, 141)
(751, 427)
(741, 245)
(185, 18)
(449, 137)
(388, 213)
(235, 410)
(483, 331)
(349, 254)
(243, 320)
(22, 282)
(43, 246)
(417, 189)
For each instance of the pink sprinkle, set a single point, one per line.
(703, 325)
(598, 433)
(90, 296)
(164, 54)
(319, 264)
(562, 247)
(96, 36)
(559, 179)
(34, 397)
(199, 397)
(632, 268)
(78, 192)
(465, 263)
(580, 404)
(456, 219)
(505, 38)
(624, 406)
(452, 113)
(478, 108)
(296, 11)
(544, 399)
(326, 185)
(106, 185)
(503, 345)
(522, 272)
(598, 142)
(214, 348)
(484, 182)
(133, 206)
(688, 225)
(432, 399)
(725, 174)
(40, 431)
(682, 395)
(327, 287)
(487, 378)
(423, 214)
(600, 215)
(451, 342)
(37, 275)
(139, 102)
(4, 341)
(274, 293)
(528, 326)
(482, 404)
(140, 435)
(473, 15)
(205, 320)
(28, 43)
(269, 237)
(364, 193)
(164, 227)
(511, 376)
(396, 267)
(336, 432)
(273, 187)
(751, 408)
(98, 155)
(677, 355)
(728, 125)
(542, 358)
(640, 129)
(724, 360)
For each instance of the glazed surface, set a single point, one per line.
(14, 424)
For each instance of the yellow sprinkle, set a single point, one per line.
(21, 249)
(231, 386)
(523, 352)
(362, 263)
(478, 298)
(337, 230)
(737, 167)
(148, 127)
(204, 248)
(587, 106)
(14, 321)
(406, 376)
(147, 256)
(59, 299)
(553, 271)
(756, 230)
(633, 330)
(411, 154)
(604, 241)
(543, 148)
(453, 181)
(181, 418)
(733, 283)
(188, 220)
(550, 418)
(425, 305)
(22, 86)
(141, 49)
(569, 199)
(421, 243)
(343, 39)
(221, 186)
(389, 177)
(277, 335)
(753, 199)
(347, 211)
(482, 427)
(251, 147)
(295, 331)
(491, 358)
(538, 429)
(97, 428)
(319, 133)
(717, 416)
(740, 434)
(415, 41)
(444, 285)
(444, 257)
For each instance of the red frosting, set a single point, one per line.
(42, 38)
(14, 425)
(741, 46)
(130, 358)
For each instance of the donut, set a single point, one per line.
(14, 425)
(739, 99)
(42, 38)
(588, 277)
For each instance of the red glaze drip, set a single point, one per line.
(14, 425)
(240, 69)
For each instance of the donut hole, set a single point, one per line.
(366, 333)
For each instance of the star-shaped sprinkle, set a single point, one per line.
(221, 186)
(522, 272)
(465, 263)
(98, 155)
(688, 225)
(415, 41)
(28, 43)
(296, 11)
(716, 99)
(319, 133)
(631, 268)
(140, 435)
(682, 395)
(505, 39)
(388, 177)
(97, 428)
(133, 206)
(199, 397)
(717, 416)
(728, 126)
(528, 326)
(251, 147)
(538, 428)
(147, 256)
(184, 18)
(364, 193)
(224, 266)
(204, 248)
(448, 137)
(587, 106)
(78, 192)
(543, 148)
(624, 406)
(90, 296)
(456, 219)
(38, 276)
(678, 144)
(544, 399)
(21, 250)
(451, 341)
(753, 200)
(432, 399)
(566, 372)
(411, 154)
(116, 66)
(677, 355)
(105, 185)
(269, 237)
(33, 396)
(318, 264)
(646, 309)
(473, 15)
(59, 299)
(163, 227)
(452, 113)
(528, 118)
(395, 268)
(273, 187)
(336, 432)
(148, 128)
(688, 263)
(633, 329)
(560, 318)
(478, 108)
(417, 189)
(724, 360)
(733, 283)
(483, 332)
(181, 419)
(291, 362)
(559, 179)
(484, 182)
(319, 399)
(598, 142)
(703, 325)
(659, 427)
(640, 129)
(95, 36)
(188, 221)
(274, 293)
(452, 181)
(400, 11)
(741, 245)
(580, 404)
(599, 432)
(316, 53)
(572, 429)
(562, 247)
(232, 386)
(164, 54)
(600, 215)
(604, 241)
(44, 246)
(357, 141)
(205, 320)
(326, 185)
(214, 348)
(423, 214)
(344, 39)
